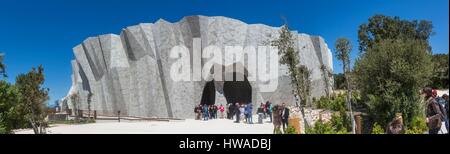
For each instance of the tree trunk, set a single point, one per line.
(349, 95)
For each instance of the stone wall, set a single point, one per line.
(130, 72)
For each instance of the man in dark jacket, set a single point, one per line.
(231, 111)
(237, 113)
(285, 117)
(433, 112)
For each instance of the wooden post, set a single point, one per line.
(118, 115)
(95, 114)
(358, 120)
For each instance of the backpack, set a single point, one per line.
(441, 107)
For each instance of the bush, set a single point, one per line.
(278, 131)
(417, 126)
(331, 127)
(377, 129)
(341, 122)
(334, 103)
(11, 109)
(3, 130)
(291, 130)
(320, 128)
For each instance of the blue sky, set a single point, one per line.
(34, 32)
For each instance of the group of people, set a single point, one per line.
(240, 112)
(207, 112)
(436, 112)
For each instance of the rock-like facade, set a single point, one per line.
(130, 72)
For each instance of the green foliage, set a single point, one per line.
(9, 99)
(394, 64)
(382, 27)
(335, 103)
(339, 81)
(377, 129)
(34, 98)
(339, 124)
(278, 131)
(343, 49)
(3, 129)
(440, 71)
(299, 74)
(417, 126)
(2, 66)
(390, 74)
(321, 128)
(291, 130)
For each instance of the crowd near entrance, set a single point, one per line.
(232, 100)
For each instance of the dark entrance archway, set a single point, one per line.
(209, 94)
(234, 91)
(238, 91)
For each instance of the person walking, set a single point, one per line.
(242, 112)
(237, 112)
(250, 113)
(211, 112)
(221, 109)
(216, 111)
(269, 110)
(263, 106)
(205, 112)
(198, 111)
(260, 113)
(232, 111)
(434, 115)
(228, 111)
(285, 117)
(276, 118)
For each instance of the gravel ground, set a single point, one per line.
(189, 126)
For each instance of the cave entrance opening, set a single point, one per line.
(232, 91)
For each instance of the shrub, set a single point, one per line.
(377, 129)
(278, 131)
(331, 127)
(417, 126)
(291, 130)
(333, 103)
(3, 129)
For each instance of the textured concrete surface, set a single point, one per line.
(130, 72)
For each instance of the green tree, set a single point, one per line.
(9, 99)
(440, 71)
(343, 49)
(394, 64)
(382, 27)
(390, 76)
(290, 57)
(339, 81)
(34, 97)
(2, 66)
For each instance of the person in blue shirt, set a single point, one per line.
(205, 112)
(249, 115)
